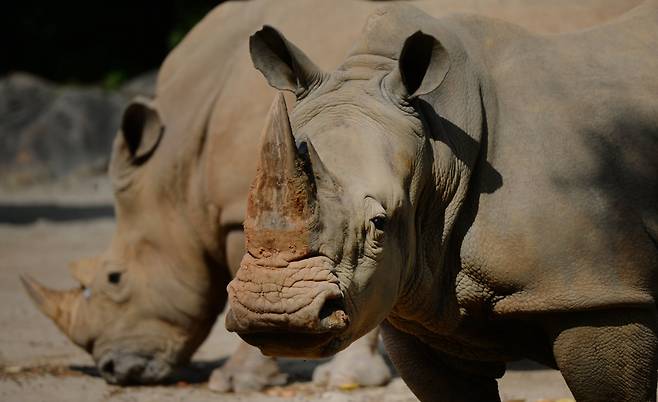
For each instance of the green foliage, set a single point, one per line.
(114, 79)
(175, 37)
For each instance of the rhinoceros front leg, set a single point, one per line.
(246, 370)
(361, 364)
(608, 356)
(434, 377)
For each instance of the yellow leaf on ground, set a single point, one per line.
(350, 386)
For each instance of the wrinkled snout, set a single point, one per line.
(127, 369)
(289, 309)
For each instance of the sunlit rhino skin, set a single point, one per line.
(484, 193)
(181, 169)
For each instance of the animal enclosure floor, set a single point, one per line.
(43, 229)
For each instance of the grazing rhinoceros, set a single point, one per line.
(486, 193)
(181, 170)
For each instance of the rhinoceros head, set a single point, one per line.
(331, 221)
(139, 309)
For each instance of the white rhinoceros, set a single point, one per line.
(484, 193)
(181, 169)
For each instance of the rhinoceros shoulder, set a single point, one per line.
(572, 138)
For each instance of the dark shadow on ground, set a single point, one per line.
(199, 371)
(21, 214)
(298, 370)
(526, 365)
(90, 371)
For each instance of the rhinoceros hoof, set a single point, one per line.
(241, 377)
(352, 370)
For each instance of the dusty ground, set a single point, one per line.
(42, 229)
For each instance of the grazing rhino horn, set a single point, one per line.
(57, 305)
(281, 203)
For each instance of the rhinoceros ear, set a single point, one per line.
(422, 66)
(141, 129)
(284, 66)
(140, 133)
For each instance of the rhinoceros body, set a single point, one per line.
(487, 193)
(181, 169)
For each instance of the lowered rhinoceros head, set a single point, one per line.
(331, 227)
(144, 305)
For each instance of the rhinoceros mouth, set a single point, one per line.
(133, 369)
(289, 308)
(137, 359)
(323, 340)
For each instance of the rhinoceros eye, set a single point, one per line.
(379, 222)
(114, 277)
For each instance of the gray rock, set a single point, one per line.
(49, 132)
(22, 99)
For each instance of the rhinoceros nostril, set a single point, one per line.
(332, 315)
(108, 367)
(329, 307)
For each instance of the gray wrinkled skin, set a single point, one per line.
(485, 193)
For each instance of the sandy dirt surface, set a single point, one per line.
(42, 229)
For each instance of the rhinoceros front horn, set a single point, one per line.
(281, 203)
(58, 305)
